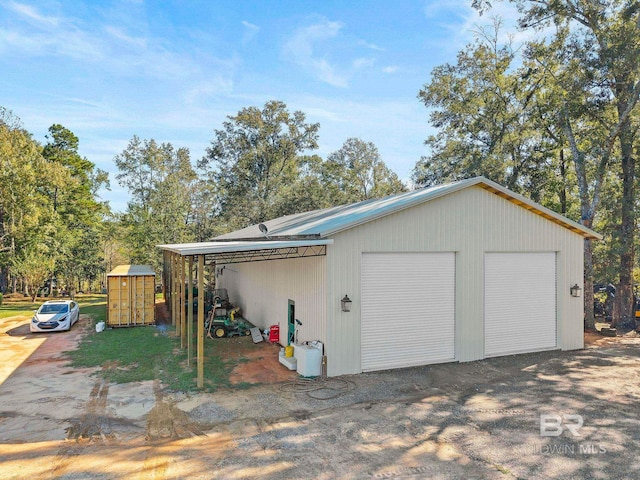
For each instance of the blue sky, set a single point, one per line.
(174, 70)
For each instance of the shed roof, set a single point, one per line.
(131, 271)
(328, 221)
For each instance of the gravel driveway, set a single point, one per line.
(471, 420)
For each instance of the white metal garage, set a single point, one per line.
(408, 309)
(454, 272)
(520, 303)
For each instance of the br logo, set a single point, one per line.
(554, 425)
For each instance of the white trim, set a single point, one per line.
(211, 248)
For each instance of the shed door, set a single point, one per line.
(519, 303)
(408, 303)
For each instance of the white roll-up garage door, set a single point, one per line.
(408, 309)
(519, 303)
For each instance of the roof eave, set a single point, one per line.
(432, 196)
(488, 185)
(538, 209)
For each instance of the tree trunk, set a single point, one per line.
(589, 317)
(624, 315)
(3, 271)
(4, 280)
(563, 189)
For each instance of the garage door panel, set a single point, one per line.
(520, 303)
(408, 309)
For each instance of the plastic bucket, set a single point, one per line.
(288, 351)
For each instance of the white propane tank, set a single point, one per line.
(309, 358)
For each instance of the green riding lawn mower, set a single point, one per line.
(223, 319)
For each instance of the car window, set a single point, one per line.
(54, 308)
(73, 305)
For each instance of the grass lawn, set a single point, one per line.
(12, 308)
(145, 353)
(23, 306)
(137, 353)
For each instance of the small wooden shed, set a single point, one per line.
(131, 296)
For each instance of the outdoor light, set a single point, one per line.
(346, 303)
(576, 291)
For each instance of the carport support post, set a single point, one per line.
(178, 294)
(173, 289)
(164, 276)
(183, 330)
(200, 321)
(190, 311)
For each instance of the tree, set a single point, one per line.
(585, 64)
(594, 56)
(25, 176)
(206, 212)
(161, 181)
(360, 172)
(34, 267)
(254, 158)
(75, 209)
(113, 240)
(490, 117)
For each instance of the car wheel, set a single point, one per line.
(219, 332)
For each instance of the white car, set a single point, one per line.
(55, 315)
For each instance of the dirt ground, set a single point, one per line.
(471, 420)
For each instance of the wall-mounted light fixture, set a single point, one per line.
(345, 303)
(576, 291)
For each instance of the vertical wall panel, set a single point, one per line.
(470, 223)
(263, 290)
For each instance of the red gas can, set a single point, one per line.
(274, 333)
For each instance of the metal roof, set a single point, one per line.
(245, 251)
(323, 223)
(131, 271)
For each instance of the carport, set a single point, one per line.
(185, 266)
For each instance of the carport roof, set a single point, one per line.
(244, 251)
(323, 223)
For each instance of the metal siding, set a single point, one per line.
(407, 309)
(520, 303)
(470, 223)
(263, 289)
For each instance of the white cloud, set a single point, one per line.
(397, 127)
(119, 34)
(462, 21)
(363, 63)
(31, 32)
(372, 46)
(106, 47)
(250, 31)
(212, 87)
(32, 13)
(302, 50)
(322, 49)
(391, 69)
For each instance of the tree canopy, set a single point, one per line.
(567, 97)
